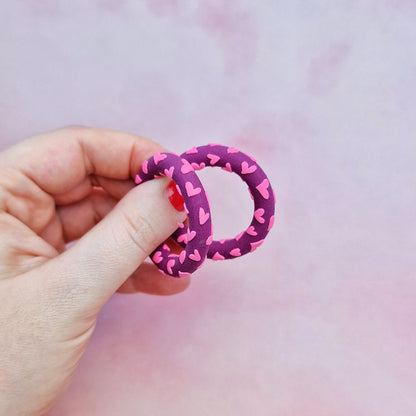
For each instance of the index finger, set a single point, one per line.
(60, 160)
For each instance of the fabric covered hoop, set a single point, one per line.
(232, 160)
(199, 233)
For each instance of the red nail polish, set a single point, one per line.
(175, 197)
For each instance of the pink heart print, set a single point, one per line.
(245, 168)
(203, 216)
(196, 236)
(190, 190)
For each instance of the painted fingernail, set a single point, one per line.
(174, 197)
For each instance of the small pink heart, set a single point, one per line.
(258, 215)
(181, 225)
(262, 188)
(213, 159)
(192, 151)
(239, 235)
(214, 144)
(182, 256)
(245, 169)
(256, 244)
(235, 252)
(183, 274)
(169, 172)
(191, 235)
(271, 222)
(186, 167)
(190, 190)
(232, 150)
(183, 238)
(217, 256)
(227, 167)
(166, 247)
(157, 257)
(195, 256)
(145, 166)
(169, 266)
(251, 231)
(223, 241)
(197, 166)
(138, 179)
(158, 157)
(203, 216)
(209, 240)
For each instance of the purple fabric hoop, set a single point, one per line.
(198, 236)
(197, 239)
(232, 160)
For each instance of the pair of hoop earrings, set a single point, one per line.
(197, 238)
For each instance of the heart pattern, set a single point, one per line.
(192, 151)
(145, 165)
(195, 236)
(195, 256)
(183, 238)
(213, 159)
(191, 236)
(158, 157)
(258, 215)
(256, 244)
(262, 188)
(198, 166)
(251, 231)
(169, 172)
(169, 265)
(227, 167)
(138, 180)
(186, 166)
(246, 169)
(235, 252)
(190, 190)
(217, 256)
(157, 257)
(203, 216)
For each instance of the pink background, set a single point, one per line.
(321, 319)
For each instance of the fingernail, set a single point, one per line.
(175, 197)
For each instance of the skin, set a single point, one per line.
(73, 184)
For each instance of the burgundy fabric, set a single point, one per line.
(197, 239)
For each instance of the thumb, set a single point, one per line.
(96, 266)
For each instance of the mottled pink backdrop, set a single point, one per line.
(322, 319)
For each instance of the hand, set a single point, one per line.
(55, 188)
